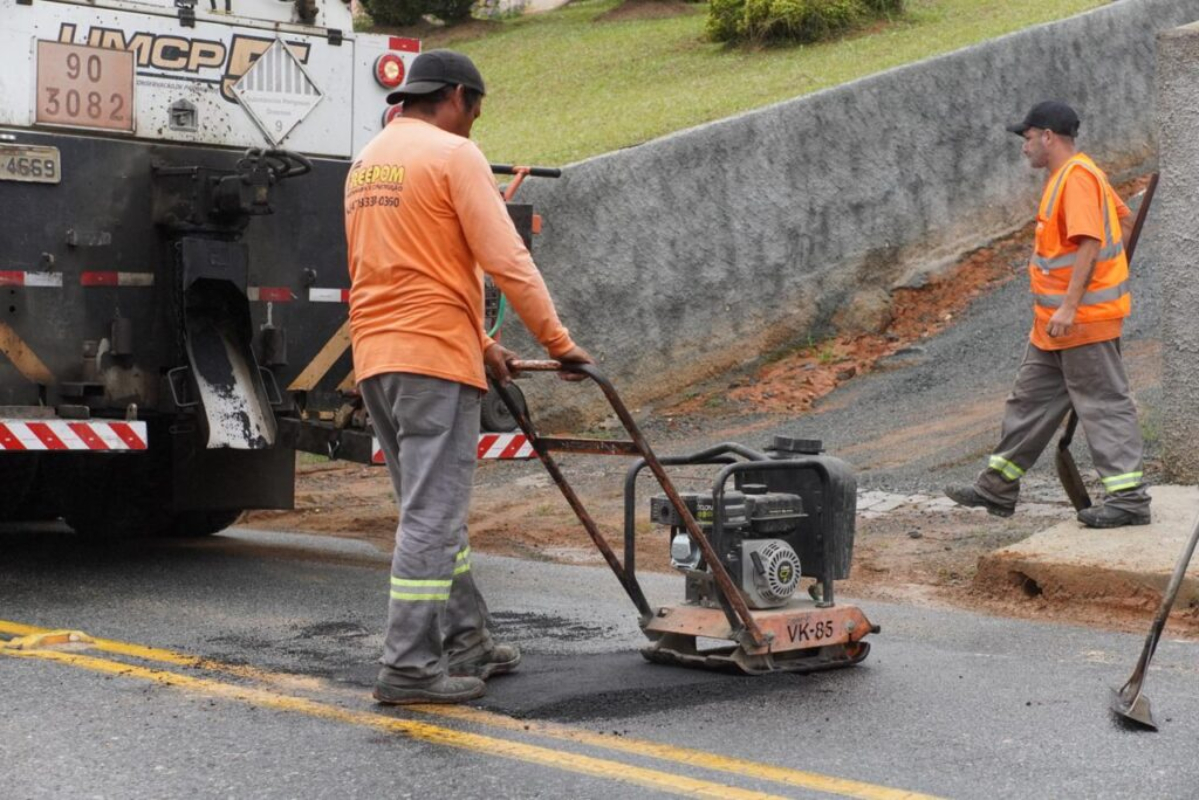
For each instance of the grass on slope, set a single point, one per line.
(563, 86)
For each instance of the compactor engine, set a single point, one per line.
(757, 544)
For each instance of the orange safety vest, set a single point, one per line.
(1107, 294)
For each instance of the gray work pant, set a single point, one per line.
(429, 430)
(1091, 378)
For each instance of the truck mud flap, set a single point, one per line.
(230, 387)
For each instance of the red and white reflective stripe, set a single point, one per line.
(270, 294)
(492, 446)
(329, 295)
(61, 434)
(114, 278)
(504, 445)
(39, 280)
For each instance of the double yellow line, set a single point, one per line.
(436, 734)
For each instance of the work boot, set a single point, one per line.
(443, 689)
(501, 659)
(1105, 516)
(966, 495)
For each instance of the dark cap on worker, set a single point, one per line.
(437, 68)
(1050, 115)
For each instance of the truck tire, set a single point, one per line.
(494, 415)
(192, 524)
(18, 476)
(128, 497)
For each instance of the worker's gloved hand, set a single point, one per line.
(576, 355)
(496, 359)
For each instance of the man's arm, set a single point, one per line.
(1081, 274)
(502, 254)
(498, 248)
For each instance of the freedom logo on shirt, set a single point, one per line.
(376, 175)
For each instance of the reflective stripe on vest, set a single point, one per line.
(1089, 298)
(1106, 253)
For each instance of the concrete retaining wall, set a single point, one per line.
(691, 253)
(1171, 233)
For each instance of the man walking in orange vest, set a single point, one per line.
(1079, 278)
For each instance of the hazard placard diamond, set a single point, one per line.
(277, 92)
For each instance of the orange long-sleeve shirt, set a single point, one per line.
(422, 216)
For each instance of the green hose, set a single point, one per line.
(501, 307)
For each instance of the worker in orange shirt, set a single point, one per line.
(1079, 278)
(423, 216)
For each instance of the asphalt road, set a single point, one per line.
(948, 704)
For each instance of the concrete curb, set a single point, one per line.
(1123, 568)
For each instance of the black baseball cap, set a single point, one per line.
(1050, 115)
(437, 68)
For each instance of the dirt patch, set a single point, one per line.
(648, 9)
(793, 380)
(796, 379)
(906, 556)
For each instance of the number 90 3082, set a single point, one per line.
(84, 87)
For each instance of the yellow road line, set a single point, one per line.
(434, 734)
(641, 747)
(680, 755)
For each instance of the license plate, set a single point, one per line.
(30, 163)
(84, 87)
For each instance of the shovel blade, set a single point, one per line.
(1072, 481)
(1133, 711)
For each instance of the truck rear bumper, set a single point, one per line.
(50, 434)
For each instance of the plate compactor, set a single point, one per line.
(770, 519)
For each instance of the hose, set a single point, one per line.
(501, 307)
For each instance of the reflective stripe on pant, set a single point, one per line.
(428, 429)
(1049, 382)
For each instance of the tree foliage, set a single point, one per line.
(409, 12)
(760, 21)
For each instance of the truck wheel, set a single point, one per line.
(190, 524)
(104, 523)
(494, 415)
(18, 476)
(113, 497)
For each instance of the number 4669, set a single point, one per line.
(30, 167)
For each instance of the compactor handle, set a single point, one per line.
(533, 172)
(539, 366)
(735, 606)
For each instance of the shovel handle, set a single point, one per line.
(1136, 232)
(1164, 609)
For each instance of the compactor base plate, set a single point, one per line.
(803, 637)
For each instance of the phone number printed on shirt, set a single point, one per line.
(372, 201)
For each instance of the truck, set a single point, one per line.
(173, 324)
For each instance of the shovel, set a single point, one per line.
(1128, 703)
(1064, 462)
(1068, 472)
